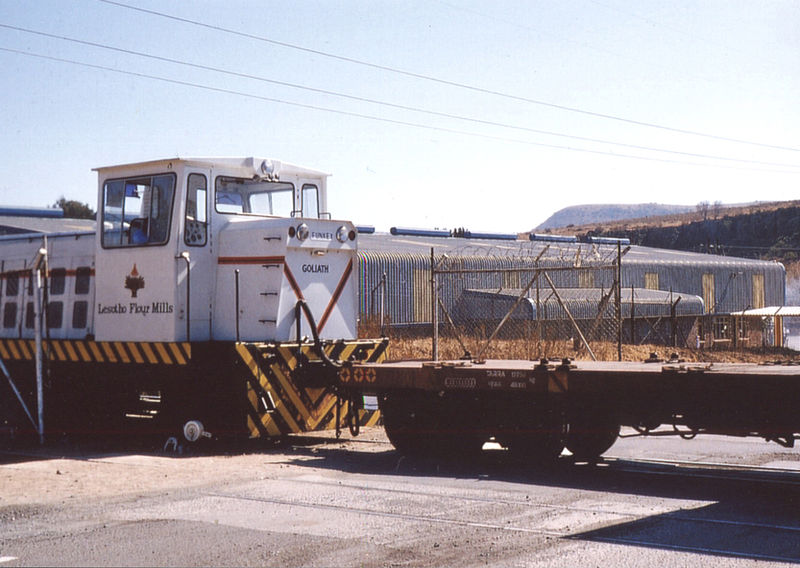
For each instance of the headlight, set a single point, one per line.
(302, 232)
(341, 234)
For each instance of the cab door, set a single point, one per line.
(196, 253)
(136, 267)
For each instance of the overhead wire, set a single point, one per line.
(373, 117)
(431, 78)
(389, 104)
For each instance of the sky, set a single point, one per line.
(432, 113)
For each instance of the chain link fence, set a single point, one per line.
(529, 300)
(533, 303)
(525, 302)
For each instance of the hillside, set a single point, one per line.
(599, 213)
(616, 227)
(769, 231)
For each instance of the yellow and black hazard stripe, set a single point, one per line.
(277, 405)
(85, 351)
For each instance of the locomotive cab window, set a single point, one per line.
(196, 223)
(137, 211)
(254, 197)
(310, 197)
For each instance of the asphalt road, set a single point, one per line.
(327, 502)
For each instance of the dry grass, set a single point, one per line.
(420, 348)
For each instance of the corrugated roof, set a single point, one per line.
(12, 225)
(642, 295)
(786, 311)
(582, 303)
(383, 242)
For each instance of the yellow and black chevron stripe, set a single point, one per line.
(277, 405)
(84, 351)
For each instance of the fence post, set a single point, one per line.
(618, 300)
(383, 302)
(434, 311)
(538, 318)
(673, 320)
(633, 317)
(39, 265)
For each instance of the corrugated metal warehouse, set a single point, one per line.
(724, 284)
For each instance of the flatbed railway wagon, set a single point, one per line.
(537, 408)
(215, 297)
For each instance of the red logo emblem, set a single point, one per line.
(134, 282)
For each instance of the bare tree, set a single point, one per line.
(703, 208)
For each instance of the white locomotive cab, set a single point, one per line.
(220, 249)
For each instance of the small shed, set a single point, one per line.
(777, 322)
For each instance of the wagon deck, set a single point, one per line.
(538, 407)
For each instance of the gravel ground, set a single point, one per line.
(319, 501)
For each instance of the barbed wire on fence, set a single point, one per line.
(529, 300)
(541, 299)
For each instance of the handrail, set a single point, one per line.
(185, 256)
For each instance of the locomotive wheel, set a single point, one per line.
(590, 435)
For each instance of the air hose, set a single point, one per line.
(351, 418)
(302, 305)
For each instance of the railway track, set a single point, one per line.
(603, 531)
(646, 466)
(615, 502)
(706, 470)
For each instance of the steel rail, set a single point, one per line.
(537, 504)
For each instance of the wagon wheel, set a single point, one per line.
(536, 448)
(537, 438)
(590, 434)
(421, 424)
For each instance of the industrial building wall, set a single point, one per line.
(738, 284)
(725, 285)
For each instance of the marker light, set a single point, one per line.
(270, 170)
(341, 234)
(302, 232)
